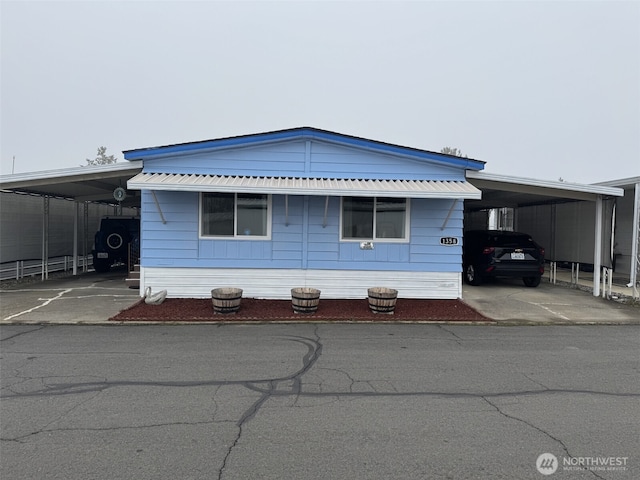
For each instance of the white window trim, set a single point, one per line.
(407, 226)
(235, 236)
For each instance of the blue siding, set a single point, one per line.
(176, 241)
(297, 245)
(328, 160)
(304, 158)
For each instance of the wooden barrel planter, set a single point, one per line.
(305, 299)
(382, 299)
(226, 300)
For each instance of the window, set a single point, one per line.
(374, 218)
(235, 215)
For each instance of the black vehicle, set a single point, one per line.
(111, 242)
(494, 253)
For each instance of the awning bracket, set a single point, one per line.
(153, 193)
(326, 211)
(286, 210)
(446, 220)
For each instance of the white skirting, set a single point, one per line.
(277, 283)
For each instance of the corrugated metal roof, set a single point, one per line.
(527, 187)
(305, 186)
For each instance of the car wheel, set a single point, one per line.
(101, 265)
(531, 281)
(471, 275)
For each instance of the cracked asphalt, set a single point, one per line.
(316, 401)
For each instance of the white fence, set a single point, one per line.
(31, 268)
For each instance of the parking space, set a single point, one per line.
(88, 298)
(508, 301)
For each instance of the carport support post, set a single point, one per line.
(45, 238)
(635, 242)
(85, 213)
(597, 254)
(76, 211)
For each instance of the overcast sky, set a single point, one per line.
(536, 89)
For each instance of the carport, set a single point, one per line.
(520, 194)
(83, 186)
(98, 184)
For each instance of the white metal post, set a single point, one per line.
(85, 239)
(75, 238)
(45, 238)
(597, 254)
(635, 242)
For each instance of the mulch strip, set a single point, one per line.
(280, 311)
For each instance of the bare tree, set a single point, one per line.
(453, 151)
(102, 158)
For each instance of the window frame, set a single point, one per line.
(407, 223)
(235, 235)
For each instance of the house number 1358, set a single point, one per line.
(448, 241)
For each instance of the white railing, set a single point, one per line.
(31, 268)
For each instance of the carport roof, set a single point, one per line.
(621, 183)
(507, 191)
(90, 183)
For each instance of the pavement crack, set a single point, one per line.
(253, 410)
(314, 350)
(458, 339)
(46, 301)
(23, 333)
(534, 381)
(506, 415)
(214, 400)
(22, 438)
(531, 425)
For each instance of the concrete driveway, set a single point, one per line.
(93, 298)
(508, 301)
(90, 298)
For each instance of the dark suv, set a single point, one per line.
(111, 242)
(494, 253)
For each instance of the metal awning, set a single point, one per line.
(305, 186)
